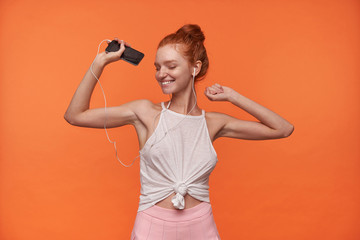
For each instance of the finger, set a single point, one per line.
(217, 89)
(122, 46)
(207, 92)
(214, 90)
(219, 86)
(209, 96)
(210, 90)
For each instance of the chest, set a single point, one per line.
(145, 128)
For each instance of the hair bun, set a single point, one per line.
(191, 33)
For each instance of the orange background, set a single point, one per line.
(298, 58)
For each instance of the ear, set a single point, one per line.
(197, 67)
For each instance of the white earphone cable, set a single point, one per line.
(114, 142)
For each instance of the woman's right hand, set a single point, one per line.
(109, 57)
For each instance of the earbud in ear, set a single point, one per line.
(194, 71)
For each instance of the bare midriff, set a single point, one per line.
(189, 202)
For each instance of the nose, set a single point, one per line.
(162, 73)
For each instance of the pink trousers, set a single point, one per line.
(157, 223)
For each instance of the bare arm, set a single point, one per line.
(78, 112)
(271, 124)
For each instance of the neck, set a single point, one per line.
(183, 102)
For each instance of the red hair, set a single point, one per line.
(191, 39)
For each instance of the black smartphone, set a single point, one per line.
(130, 55)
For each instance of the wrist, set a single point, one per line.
(100, 61)
(233, 96)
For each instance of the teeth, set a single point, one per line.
(167, 82)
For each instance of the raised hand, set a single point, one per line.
(218, 93)
(109, 57)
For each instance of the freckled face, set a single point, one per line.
(172, 70)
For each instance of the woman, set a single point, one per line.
(175, 137)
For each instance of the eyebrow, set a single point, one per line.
(168, 61)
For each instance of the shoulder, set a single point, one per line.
(143, 105)
(138, 103)
(145, 110)
(216, 116)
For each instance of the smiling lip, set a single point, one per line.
(165, 83)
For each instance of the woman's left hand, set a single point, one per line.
(218, 93)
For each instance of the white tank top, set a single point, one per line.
(180, 161)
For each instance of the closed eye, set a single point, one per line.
(169, 68)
